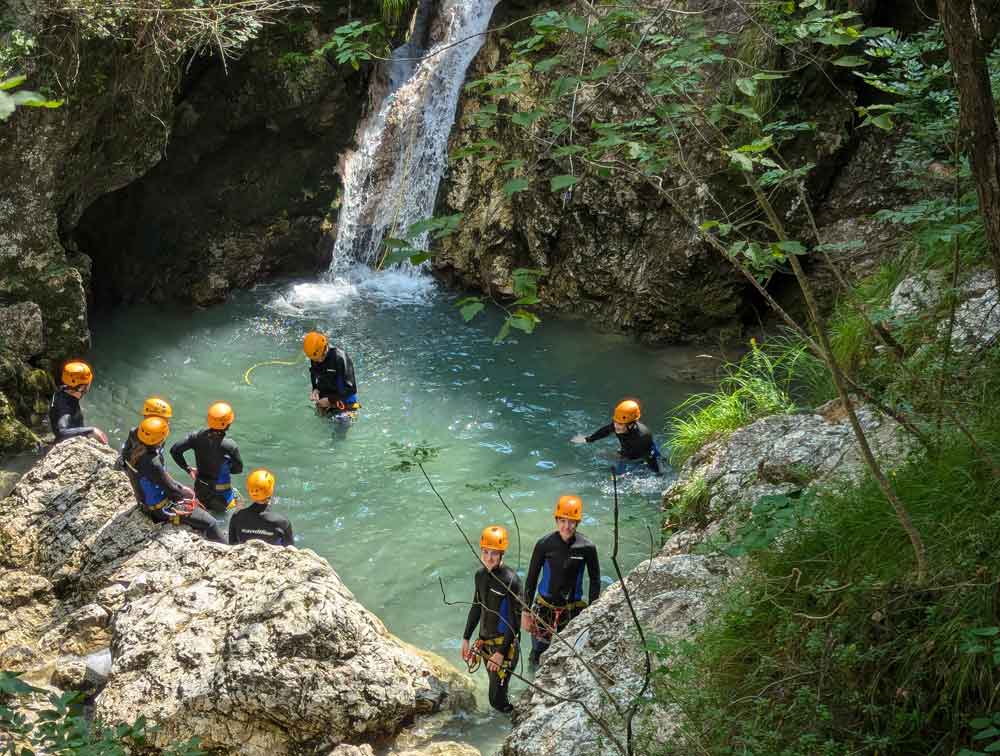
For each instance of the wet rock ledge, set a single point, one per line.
(254, 649)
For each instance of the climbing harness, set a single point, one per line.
(481, 650)
(246, 375)
(542, 629)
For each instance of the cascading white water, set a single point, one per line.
(392, 180)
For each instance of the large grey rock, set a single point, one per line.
(781, 454)
(21, 329)
(255, 649)
(977, 316)
(258, 650)
(670, 595)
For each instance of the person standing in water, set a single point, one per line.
(65, 415)
(216, 457)
(635, 441)
(331, 373)
(496, 608)
(556, 570)
(258, 522)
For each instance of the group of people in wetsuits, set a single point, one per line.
(552, 593)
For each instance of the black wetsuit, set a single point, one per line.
(216, 458)
(334, 377)
(129, 450)
(158, 491)
(66, 417)
(635, 444)
(258, 522)
(556, 570)
(496, 608)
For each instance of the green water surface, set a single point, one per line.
(504, 410)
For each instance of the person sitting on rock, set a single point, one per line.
(558, 560)
(154, 406)
(65, 414)
(496, 608)
(331, 373)
(162, 498)
(216, 457)
(257, 521)
(636, 444)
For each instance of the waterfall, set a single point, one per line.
(392, 179)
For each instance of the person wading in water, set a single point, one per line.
(556, 570)
(635, 441)
(496, 608)
(331, 373)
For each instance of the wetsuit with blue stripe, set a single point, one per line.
(636, 446)
(556, 570)
(496, 608)
(333, 378)
(217, 459)
(157, 491)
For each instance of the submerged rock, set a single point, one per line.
(255, 649)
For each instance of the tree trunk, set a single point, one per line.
(968, 30)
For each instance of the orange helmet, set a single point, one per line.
(569, 507)
(77, 373)
(153, 430)
(627, 412)
(260, 485)
(314, 344)
(154, 406)
(494, 537)
(220, 416)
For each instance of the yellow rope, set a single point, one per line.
(246, 375)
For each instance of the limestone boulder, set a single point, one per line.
(600, 663)
(21, 329)
(72, 519)
(782, 454)
(258, 650)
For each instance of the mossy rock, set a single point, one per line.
(14, 436)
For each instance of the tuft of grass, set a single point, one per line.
(759, 385)
(689, 505)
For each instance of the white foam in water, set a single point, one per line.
(389, 287)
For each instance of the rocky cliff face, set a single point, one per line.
(255, 649)
(243, 158)
(612, 250)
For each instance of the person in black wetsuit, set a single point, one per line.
(154, 406)
(257, 522)
(556, 570)
(331, 373)
(636, 444)
(216, 457)
(496, 608)
(65, 415)
(162, 498)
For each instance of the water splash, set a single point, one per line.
(392, 180)
(388, 288)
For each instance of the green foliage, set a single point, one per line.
(11, 98)
(759, 385)
(64, 727)
(355, 43)
(411, 455)
(825, 646)
(688, 506)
